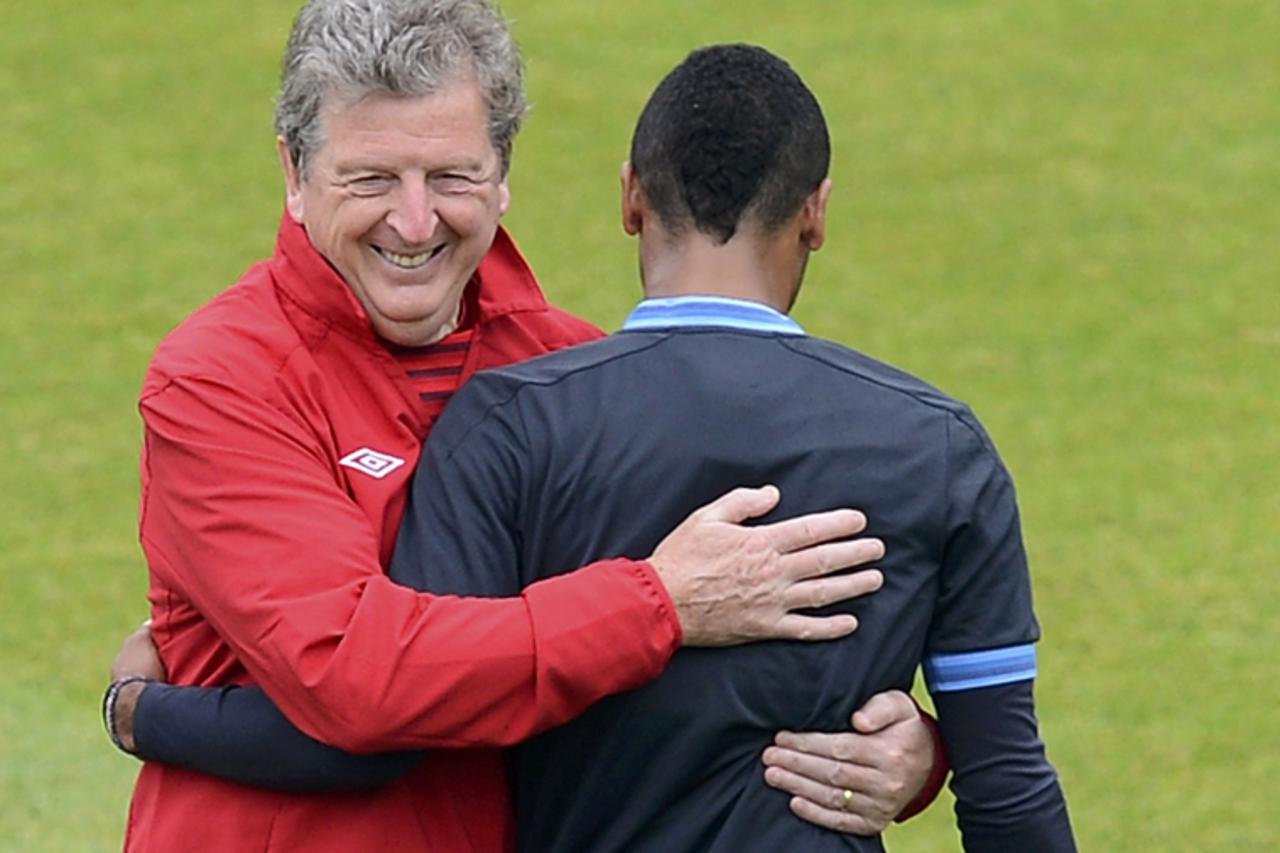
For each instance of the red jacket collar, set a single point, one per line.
(503, 284)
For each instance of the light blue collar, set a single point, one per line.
(709, 311)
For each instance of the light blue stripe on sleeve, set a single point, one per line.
(947, 673)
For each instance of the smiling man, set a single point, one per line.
(283, 422)
(403, 200)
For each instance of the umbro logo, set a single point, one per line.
(369, 461)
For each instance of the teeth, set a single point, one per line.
(407, 262)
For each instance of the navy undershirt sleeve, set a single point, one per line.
(1007, 792)
(238, 734)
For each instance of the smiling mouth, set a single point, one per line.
(408, 262)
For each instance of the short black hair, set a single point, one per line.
(731, 131)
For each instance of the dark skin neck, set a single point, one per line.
(693, 264)
(757, 264)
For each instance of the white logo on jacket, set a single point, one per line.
(366, 460)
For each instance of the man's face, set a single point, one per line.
(403, 198)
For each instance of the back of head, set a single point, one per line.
(352, 48)
(731, 134)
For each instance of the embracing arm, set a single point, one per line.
(236, 733)
(242, 515)
(892, 763)
(491, 671)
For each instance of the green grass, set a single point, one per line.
(1064, 213)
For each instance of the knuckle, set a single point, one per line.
(757, 547)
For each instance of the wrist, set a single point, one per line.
(937, 773)
(119, 706)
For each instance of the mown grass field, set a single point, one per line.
(1064, 213)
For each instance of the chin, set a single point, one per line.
(413, 332)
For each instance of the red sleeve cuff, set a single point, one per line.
(937, 776)
(666, 604)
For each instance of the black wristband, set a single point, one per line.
(109, 707)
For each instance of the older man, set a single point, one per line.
(282, 424)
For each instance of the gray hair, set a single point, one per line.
(354, 48)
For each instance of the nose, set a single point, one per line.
(413, 215)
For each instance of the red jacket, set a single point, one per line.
(267, 524)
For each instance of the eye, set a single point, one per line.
(369, 185)
(449, 183)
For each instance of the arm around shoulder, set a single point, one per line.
(243, 515)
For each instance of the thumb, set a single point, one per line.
(742, 503)
(884, 710)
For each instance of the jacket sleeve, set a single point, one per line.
(244, 514)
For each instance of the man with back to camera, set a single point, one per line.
(282, 421)
(599, 449)
(709, 383)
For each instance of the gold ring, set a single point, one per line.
(848, 799)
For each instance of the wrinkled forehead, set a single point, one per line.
(449, 124)
(339, 96)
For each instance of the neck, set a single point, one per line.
(694, 265)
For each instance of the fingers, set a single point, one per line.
(832, 557)
(821, 592)
(740, 504)
(822, 801)
(806, 530)
(846, 773)
(138, 656)
(829, 757)
(793, 626)
(824, 591)
(850, 822)
(884, 710)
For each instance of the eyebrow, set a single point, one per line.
(469, 167)
(346, 170)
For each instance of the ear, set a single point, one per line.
(813, 216)
(292, 182)
(504, 197)
(632, 201)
